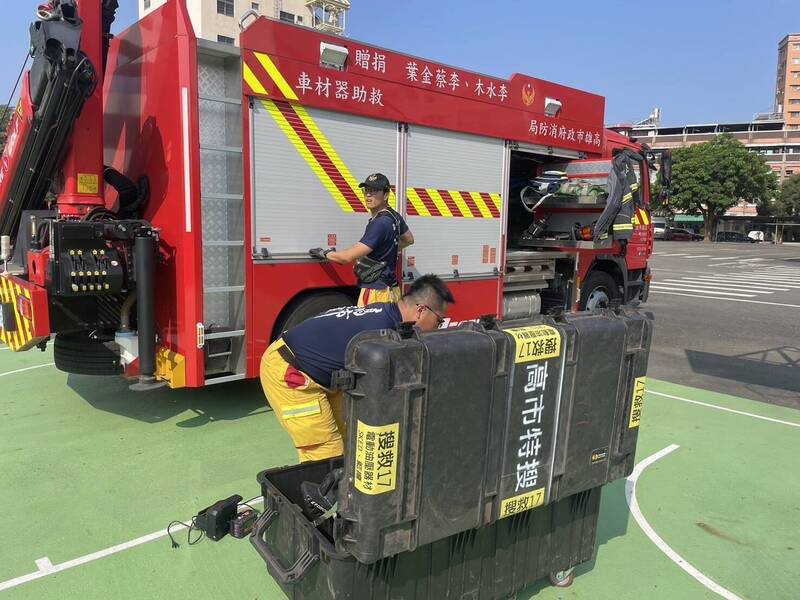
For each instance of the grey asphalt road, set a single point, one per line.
(728, 318)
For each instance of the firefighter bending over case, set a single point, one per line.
(296, 369)
(385, 235)
(623, 199)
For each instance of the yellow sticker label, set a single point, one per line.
(521, 503)
(636, 402)
(88, 183)
(19, 107)
(536, 342)
(376, 458)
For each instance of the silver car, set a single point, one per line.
(660, 228)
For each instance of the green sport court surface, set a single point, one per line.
(92, 473)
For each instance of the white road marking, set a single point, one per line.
(706, 285)
(726, 258)
(750, 280)
(694, 288)
(725, 299)
(633, 504)
(723, 408)
(26, 369)
(682, 254)
(699, 256)
(45, 567)
(764, 279)
(734, 283)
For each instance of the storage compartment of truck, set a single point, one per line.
(489, 563)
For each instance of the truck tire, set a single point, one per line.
(80, 354)
(310, 306)
(598, 291)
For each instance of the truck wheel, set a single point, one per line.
(310, 306)
(80, 354)
(598, 291)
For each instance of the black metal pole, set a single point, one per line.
(145, 267)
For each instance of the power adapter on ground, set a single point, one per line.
(215, 520)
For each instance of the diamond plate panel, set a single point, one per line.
(211, 75)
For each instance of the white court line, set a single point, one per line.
(695, 288)
(633, 504)
(716, 285)
(728, 299)
(26, 369)
(730, 410)
(45, 567)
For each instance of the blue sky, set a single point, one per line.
(700, 61)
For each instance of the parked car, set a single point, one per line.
(759, 236)
(733, 236)
(659, 228)
(677, 234)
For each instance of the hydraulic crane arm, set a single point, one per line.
(62, 79)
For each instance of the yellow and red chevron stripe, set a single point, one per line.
(20, 333)
(640, 217)
(431, 202)
(319, 154)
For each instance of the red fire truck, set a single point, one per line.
(159, 193)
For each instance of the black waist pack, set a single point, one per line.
(369, 270)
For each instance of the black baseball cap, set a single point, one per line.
(376, 181)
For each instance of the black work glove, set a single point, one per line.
(319, 253)
(623, 248)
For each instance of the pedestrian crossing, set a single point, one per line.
(761, 283)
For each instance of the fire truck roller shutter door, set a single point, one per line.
(306, 167)
(454, 184)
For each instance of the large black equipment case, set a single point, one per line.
(453, 430)
(473, 459)
(481, 564)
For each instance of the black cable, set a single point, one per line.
(190, 527)
(16, 85)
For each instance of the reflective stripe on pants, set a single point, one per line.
(368, 296)
(312, 415)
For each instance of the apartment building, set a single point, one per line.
(218, 20)
(787, 86)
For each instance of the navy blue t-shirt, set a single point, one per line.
(319, 343)
(381, 237)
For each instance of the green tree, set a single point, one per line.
(710, 178)
(787, 204)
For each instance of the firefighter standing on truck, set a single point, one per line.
(386, 234)
(296, 369)
(623, 199)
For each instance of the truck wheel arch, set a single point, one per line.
(600, 272)
(309, 303)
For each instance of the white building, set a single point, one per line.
(218, 20)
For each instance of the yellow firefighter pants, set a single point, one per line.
(312, 415)
(368, 296)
